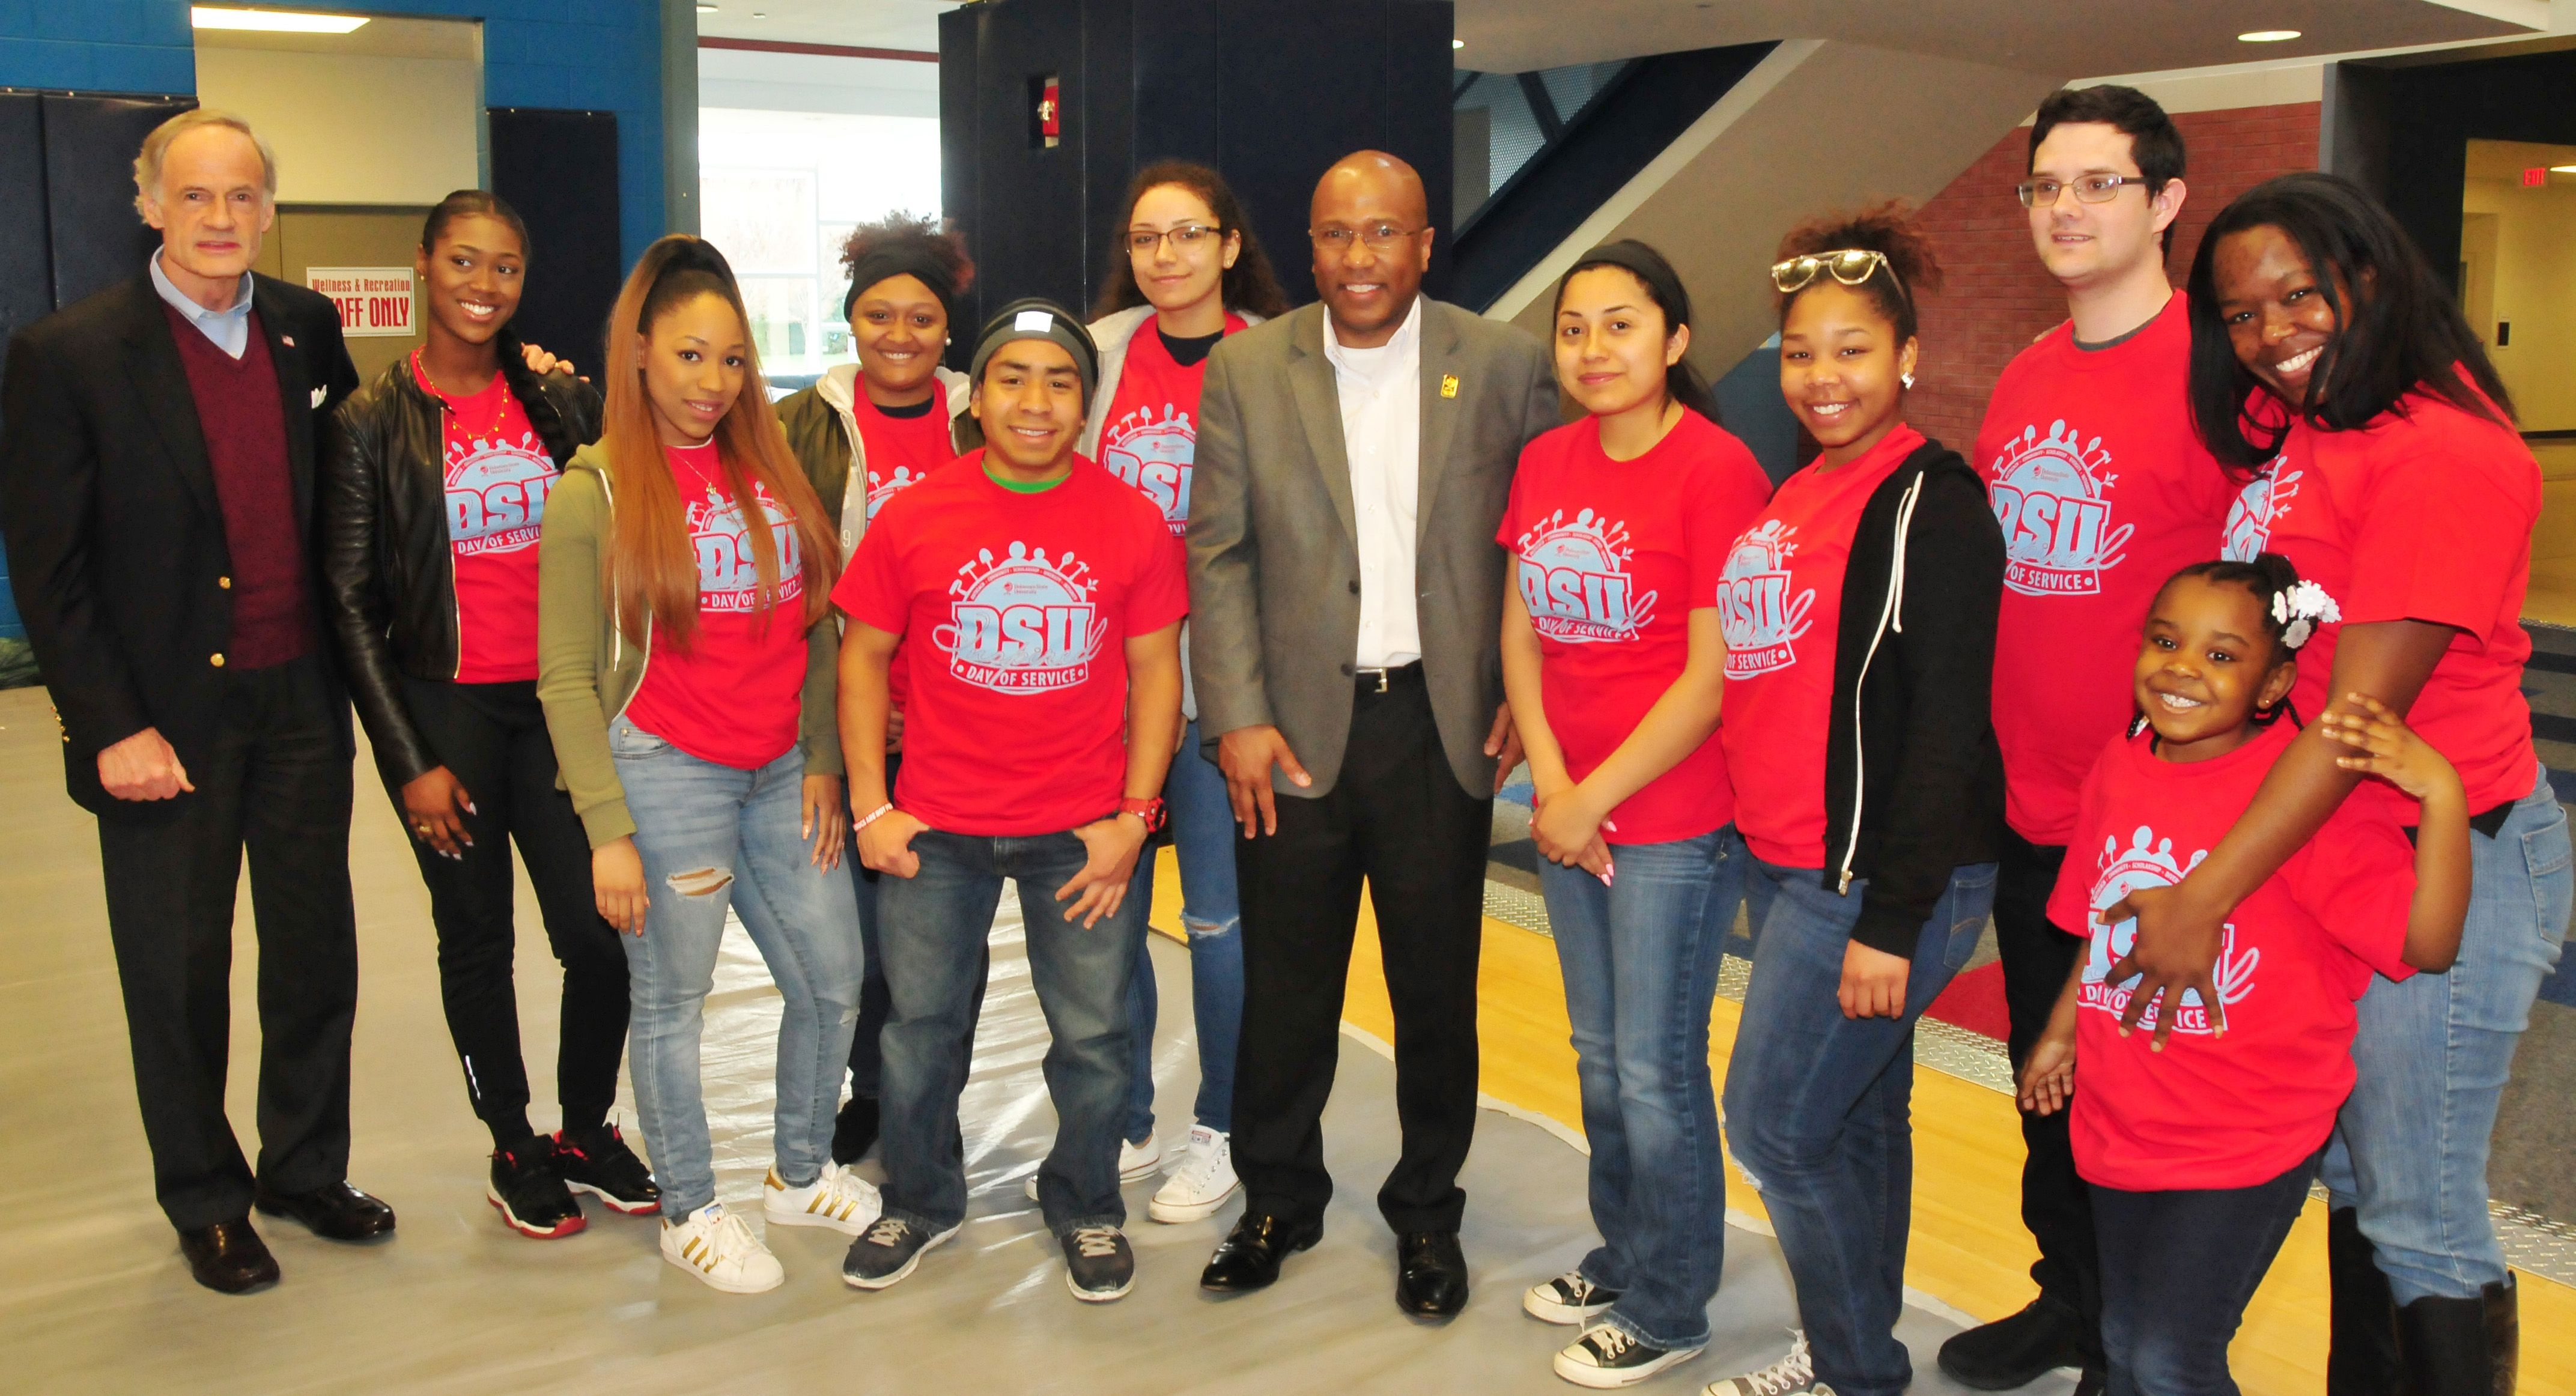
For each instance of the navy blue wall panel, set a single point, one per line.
(98, 239)
(2440, 109)
(26, 256)
(559, 170)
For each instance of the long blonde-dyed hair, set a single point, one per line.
(650, 569)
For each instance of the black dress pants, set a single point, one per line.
(1397, 819)
(492, 738)
(2056, 1204)
(275, 782)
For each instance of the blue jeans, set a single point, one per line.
(698, 823)
(1818, 1108)
(1203, 835)
(932, 926)
(2177, 1270)
(2433, 1052)
(1640, 958)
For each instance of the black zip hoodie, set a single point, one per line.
(1914, 783)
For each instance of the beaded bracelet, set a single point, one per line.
(874, 815)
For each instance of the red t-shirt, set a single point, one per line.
(1597, 542)
(1151, 436)
(1016, 609)
(2239, 1109)
(2104, 491)
(735, 694)
(1779, 600)
(901, 453)
(498, 476)
(2422, 516)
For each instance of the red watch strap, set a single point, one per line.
(1151, 811)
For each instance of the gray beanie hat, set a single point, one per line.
(1035, 317)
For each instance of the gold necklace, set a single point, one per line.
(500, 400)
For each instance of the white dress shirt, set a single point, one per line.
(1381, 395)
(229, 329)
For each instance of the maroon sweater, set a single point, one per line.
(243, 419)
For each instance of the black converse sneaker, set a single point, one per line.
(1098, 1265)
(1606, 1357)
(886, 1252)
(599, 1163)
(531, 1199)
(1569, 1298)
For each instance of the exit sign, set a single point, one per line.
(2535, 177)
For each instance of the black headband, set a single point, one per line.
(1652, 271)
(887, 262)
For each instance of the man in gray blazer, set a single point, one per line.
(1346, 597)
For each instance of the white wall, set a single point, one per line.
(745, 79)
(355, 129)
(2535, 290)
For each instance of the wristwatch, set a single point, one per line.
(1151, 811)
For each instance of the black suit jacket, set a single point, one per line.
(116, 538)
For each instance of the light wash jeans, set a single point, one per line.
(1819, 1109)
(932, 928)
(1203, 835)
(1640, 958)
(694, 818)
(2433, 1052)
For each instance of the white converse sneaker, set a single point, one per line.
(1201, 1183)
(1135, 1162)
(715, 1246)
(837, 1198)
(1605, 1358)
(1569, 1299)
(1793, 1375)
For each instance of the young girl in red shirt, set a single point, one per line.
(2200, 1146)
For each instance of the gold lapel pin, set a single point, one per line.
(1448, 385)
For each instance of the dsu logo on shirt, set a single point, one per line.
(882, 488)
(1021, 625)
(2149, 862)
(1761, 619)
(1574, 580)
(2052, 495)
(496, 495)
(1155, 458)
(728, 570)
(2257, 507)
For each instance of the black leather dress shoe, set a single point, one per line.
(1249, 1257)
(334, 1211)
(1430, 1274)
(228, 1257)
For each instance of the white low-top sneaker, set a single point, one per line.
(1135, 1162)
(715, 1246)
(1793, 1375)
(837, 1198)
(1201, 1183)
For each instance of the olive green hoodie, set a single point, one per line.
(587, 670)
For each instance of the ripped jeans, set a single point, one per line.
(1203, 838)
(712, 837)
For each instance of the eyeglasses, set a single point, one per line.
(1143, 241)
(1380, 236)
(1851, 266)
(2090, 189)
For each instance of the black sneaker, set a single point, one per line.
(599, 1163)
(1098, 1265)
(855, 1132)
(1569, 1298)
(1605, 1358)
(886, 1252)
(533, 1201)
(2016, 1351)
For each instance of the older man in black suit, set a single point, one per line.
(157, 444)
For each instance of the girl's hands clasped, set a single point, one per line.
(1567, 829)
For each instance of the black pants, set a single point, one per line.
(2055, 1203)
(1397, 818)
(492, 738)
(274, 781)
(2177, 1270)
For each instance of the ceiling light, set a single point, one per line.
(1457, 43)
(2562, 169)
(2267, 36)
(272, 21)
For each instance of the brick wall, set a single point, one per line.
(1997, 296)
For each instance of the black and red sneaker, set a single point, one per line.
(598, 1162)
(533, 1201)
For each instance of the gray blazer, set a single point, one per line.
(1274, 552)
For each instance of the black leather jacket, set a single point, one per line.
(387, 566)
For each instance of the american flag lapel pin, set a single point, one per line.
(1448, 385)
(290, 340)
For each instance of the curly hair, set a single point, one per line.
(1247, 285)
(1888, 229)
(919, 232)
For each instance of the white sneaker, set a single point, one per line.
(837, 1198)
(1605, 1358)
(715, 1246)
(1793, 1375)
(1569, 1299)
(1202, 1182)
(1135, 1161)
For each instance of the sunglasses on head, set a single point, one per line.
(1850, 266)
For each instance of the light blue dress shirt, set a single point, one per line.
(228, 330)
